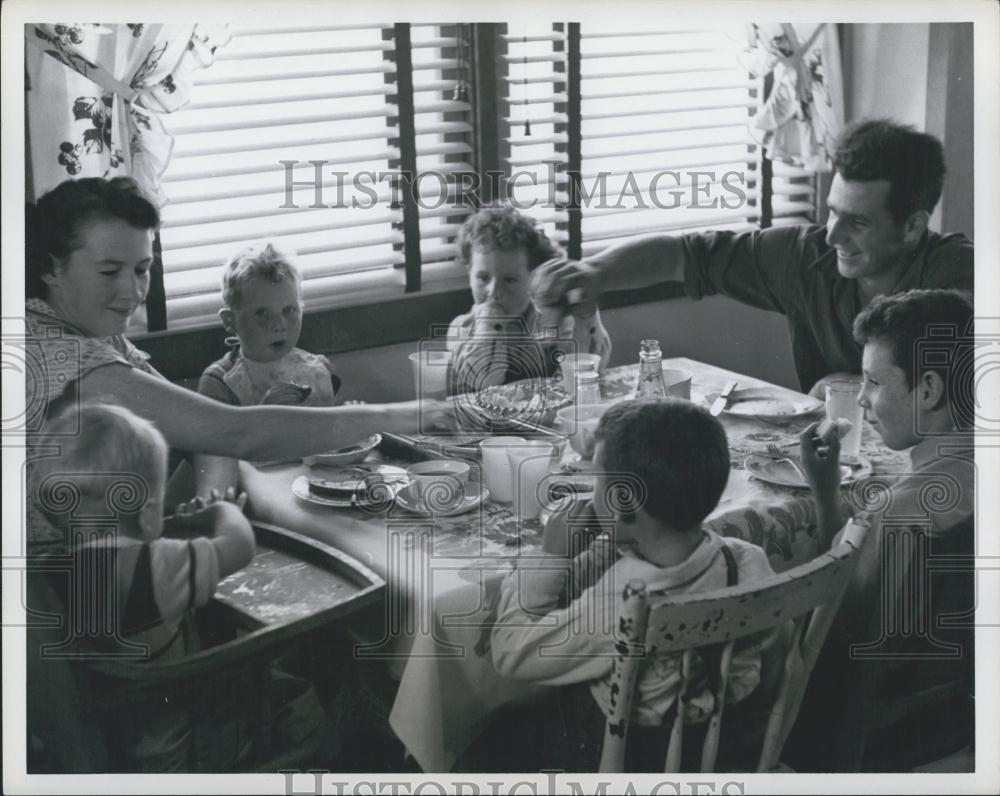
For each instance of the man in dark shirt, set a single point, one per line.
(876, 241)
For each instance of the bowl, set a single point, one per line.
(352, 454)
(580, 423)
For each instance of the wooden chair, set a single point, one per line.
(69, 697)
(809, 594)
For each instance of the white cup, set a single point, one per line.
(573, 362)
(430, 372)
(439, 484)
(677, 382)
(529, 463)
(842, 401)
(496, 466)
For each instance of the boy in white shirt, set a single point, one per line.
(672, 457)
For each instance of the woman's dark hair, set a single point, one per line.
(54, 223)
(678, 451)
(912, 163)
(504, 229)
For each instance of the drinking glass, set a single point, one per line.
(842, 401)
(677, 382)
(496, 466)
(571, 364)
(529, 463)
(430, 372)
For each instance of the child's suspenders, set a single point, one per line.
(732, 572)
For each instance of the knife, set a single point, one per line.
(720, 403)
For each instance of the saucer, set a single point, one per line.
(476, 493)
(342, 485)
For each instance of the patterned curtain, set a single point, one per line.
(804, 113)
(96, 92)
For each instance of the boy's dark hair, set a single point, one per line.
(504, 229)
(912, 162)
(678, 450)
(926, 330)
(54, 223)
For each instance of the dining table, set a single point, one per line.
(443, 573)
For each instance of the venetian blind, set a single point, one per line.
(665, 145)
(293, 135)
(535, 136)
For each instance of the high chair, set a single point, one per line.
(70, 695)
(809, 594)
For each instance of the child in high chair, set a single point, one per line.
(152, 582)
(677, 457)
(262, 313)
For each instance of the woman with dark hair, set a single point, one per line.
(504, 337)
(90, 249)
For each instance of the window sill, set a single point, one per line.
(183, 354)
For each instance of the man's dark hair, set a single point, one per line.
(678, 450)
(54, 223)
(912, 162)
(926, 330)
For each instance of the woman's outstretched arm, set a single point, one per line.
(194, 423)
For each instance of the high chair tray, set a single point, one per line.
(294, 580)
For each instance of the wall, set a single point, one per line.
(924, 78)
(898, 55)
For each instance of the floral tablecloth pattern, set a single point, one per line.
(444, 574)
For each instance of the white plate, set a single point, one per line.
(767, 404)
(781, 473)
(395, 479)
(476, 493)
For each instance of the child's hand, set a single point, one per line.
(820, 461)
(198, 515)
(560, 538)
(198, 503)
(491, 321)
(287, 394)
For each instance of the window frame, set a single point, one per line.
(353, 329)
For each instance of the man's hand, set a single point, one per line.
(821, 462)
(561, 286)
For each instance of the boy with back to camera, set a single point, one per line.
(677, 458)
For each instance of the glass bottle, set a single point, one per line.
(588, 387)
(650, 384)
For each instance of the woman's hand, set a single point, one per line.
(287, 394)
(821, 462)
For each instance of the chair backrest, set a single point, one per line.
(809, 594)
